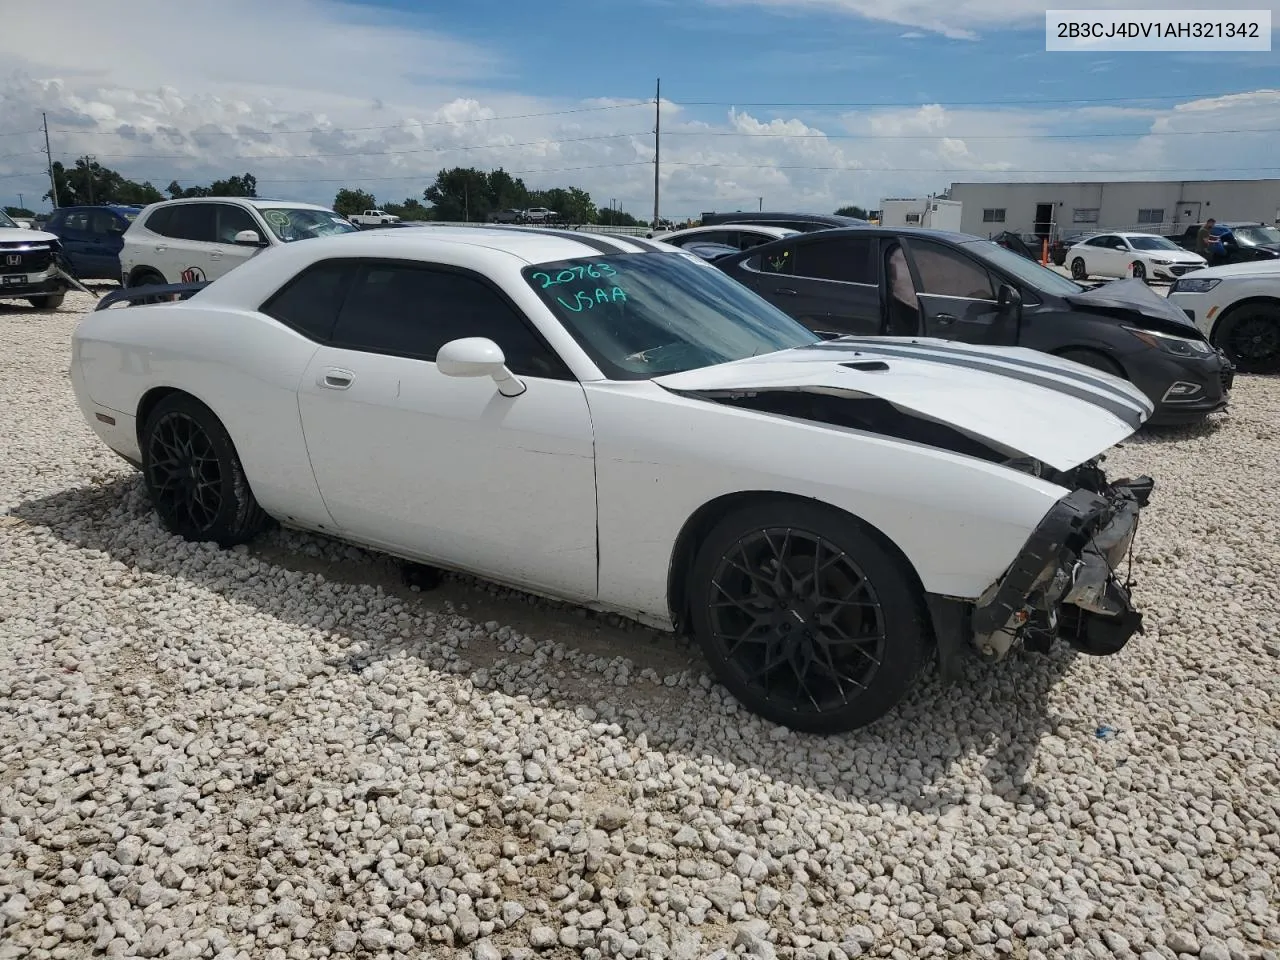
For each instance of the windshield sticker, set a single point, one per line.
(278, 218)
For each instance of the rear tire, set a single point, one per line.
(1078, 271)
(1098, 361)
(194, 476)
(51, 301)
(806, 618)
(1250, 337)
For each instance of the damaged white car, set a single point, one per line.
(611, 421)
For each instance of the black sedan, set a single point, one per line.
(873, 281)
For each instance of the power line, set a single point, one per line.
(962, 136)
(956, 103)
(370, 153)
(388, 126)
(854, 169)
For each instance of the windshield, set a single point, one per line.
(1024, 270)
(1152, 243)
(6, 220)
(290, 224)
(1256, 236)
(643, 315)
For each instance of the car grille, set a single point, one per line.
(1180, 269)
(28, 261)
(1228, 376)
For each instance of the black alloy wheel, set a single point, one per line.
(1250, 337)
(1078, 272)
(806, 619)
(194, 476)
(1139, 270)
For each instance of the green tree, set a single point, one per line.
(460, 193)
(350, 202)
(19, 212)
(90, 182)
(411, 209)
(858, 212)
(243, 186)
(615, 218)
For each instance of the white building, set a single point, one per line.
(1155, 206)
(931, 212)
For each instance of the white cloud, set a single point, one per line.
(321, 110)
(967, 19)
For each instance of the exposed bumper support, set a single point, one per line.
(1064, 583)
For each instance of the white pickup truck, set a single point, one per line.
(372, 217)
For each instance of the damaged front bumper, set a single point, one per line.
(1063, 583)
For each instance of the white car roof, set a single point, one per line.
(480, 248)
(1134, 233)
(1258, 268)
(260, 202)
(767, 229)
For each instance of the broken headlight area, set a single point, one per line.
(1065, 581)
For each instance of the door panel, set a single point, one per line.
(823, 284)
(448, 470)
(957, 294)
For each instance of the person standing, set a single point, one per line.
(1205, 240)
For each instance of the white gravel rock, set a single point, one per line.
(282, 751)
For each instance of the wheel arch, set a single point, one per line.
(151, 399)
(1250, 301)
(1094, 349)
(139, 270)
(702, 520)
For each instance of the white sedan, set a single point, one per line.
(1142, 255)
(1237, 306)
(740, 236)
(614, 422)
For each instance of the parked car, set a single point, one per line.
(802, 222)
(1140, 255)
(961, 287)
(1237, 306)
(29, 265)
(178, 241)
(740, 236)
(373, 218)
(1244, 241)
(92, 238)
(619, 424)
(540, 215)
(507, 216)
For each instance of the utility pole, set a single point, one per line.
(53, 184)
(761, 199)
(88, 173)
(657, 147)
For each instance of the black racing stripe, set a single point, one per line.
(872, 344)
(1126, 411)
(590, 240)
(644, 244)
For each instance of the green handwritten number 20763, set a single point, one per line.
(593, 270)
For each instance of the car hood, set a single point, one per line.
(1176, 256)
(12, 235)
(1021, 402)
(1137, 304)
(1250, 268)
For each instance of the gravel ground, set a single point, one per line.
(285, 752)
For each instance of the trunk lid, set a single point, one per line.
(1020, 401)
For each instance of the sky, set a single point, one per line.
(787, 104)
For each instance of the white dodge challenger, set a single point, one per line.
(611, 421)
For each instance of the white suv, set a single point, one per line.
(186, 241)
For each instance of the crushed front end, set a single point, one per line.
(1065, 581)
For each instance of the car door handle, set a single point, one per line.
(336, 379)
(161, 248)
(215, 256)
(946, 319)
(786, 291)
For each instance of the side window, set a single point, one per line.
(231, 220)
(1099, 242)
(711, 236)
(55, 220)
(78, 221)
(101, 222)
(309, 303)
(159, 221)
(747, 240)
(193, 221)
(847, 259)
(412, 311)
(778, 261)
(946, 272)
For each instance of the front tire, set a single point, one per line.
(1078, 271)
(194, 476)
(1139, 270)
(806, 618)
(50, 301)
(1250, 337)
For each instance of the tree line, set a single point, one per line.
(457, 194)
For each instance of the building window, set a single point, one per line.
(913, 218)
(1084, 215)
(993, 215)
(1151, 215)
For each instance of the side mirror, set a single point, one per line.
(478, 357)
(248, 238)
(1009, 298)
